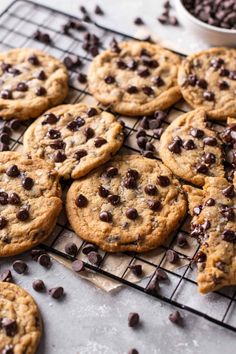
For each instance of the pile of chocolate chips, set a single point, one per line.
(219, 13)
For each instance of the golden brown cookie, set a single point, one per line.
(20, 321)
(130, 204)
(135, 78)
(214, 226)
(190, 149)
(75, 138)
(31, 81)
(29, 202)
(208, 80)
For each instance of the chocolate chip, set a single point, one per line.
(209, 158)
(229, 236)
(59, 156)
(20, 267)
(150, 189)
(136, 269)
(228, 213)
(3, 198)
(172, 256)
(229, 192)
(92, 112)
(223, 85)
(6, 129)
(88, 132)
(131, 213)
(81, 201)
(58, 144)
(111, 172)
(175, 317)
(98, 142)
(27, 183)
(54, 134)
(132, 90)
(14, 199)
(89, 247)
(158, 81)
(181, 240)
(22, 214)
(98, 10)
(78, 266)
(138, 21)
(153, 286)
(109, 80)
(105, 216)
(35, 253)
(6, 276)
(148, 91)
(201, 168)
(192, 80)
(38, 285)
(103, 192)
(197, 133)
(143, 72)
(22, 87)
(50, 118)
(202, 83)
(175, 147)
(209, 95)
(3, 222)
(121, 64)
(132, 64)
(197, 209)
(232, 75)
(210, 202)
(151, 63)
(44, 260)
(163, 181)
(189, 144)
(211, 141)
(9, 326)
(114, 46)
(80, 153)
(57, 292)
(33, 59)
(158, 132)
(6, 94)
(154, 204)
(14, 71)
(41, 75)
(13, 171)
(40, 91)
(133, 319)
(75, 124)
(114, 199)
(130, 182)
(82, 78)
(4, 138)
(71, 248)
(94, 258)
(4, 147)
(142, 141)
(216, 63)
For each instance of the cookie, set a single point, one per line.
(20, 321)
(190, 149)
(135, 78)
(208, 80)
(31, 81)
(130, 204)
(214, 225)
(29, 202)
(75, 138)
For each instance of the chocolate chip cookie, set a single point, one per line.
(214, 226)
(190, 149)
(29, 202)
(130, 204)
(20, 321)
(31, 81)
(135, 78)
(208, 80)
(75, 138)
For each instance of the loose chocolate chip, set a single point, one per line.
(98, 10)
(81, 201)
(98, 142)
(38, 285)
(35, 253)
(9, 326)
(181, 240)
(172, 256)
(160, 274)
(3, 222)
(148, 91)
(57, 292)
(189, 144)
(114, 199)
(40, 91)
(158, 132)
(6, 129)
(105, 216)
(82, 78)
(150, 189)
(71, 248)
(175, 317)
(88, 132)
(132, 90)
(136, 269)
(197, 133)
(20, 267)
(111, 172)
(153, 286)
(229, 191)
(209, 158)
(54, 134)
(3, 198)
(154, 204)
(142, 141)
(14, 199)
(138, 21)
(175, 147)
(211, 141)
(94, 257)
(202, 83)
(4, 138)
(27, 183)
(50, 118)
(78, 266)
(6, 276)
(79, 154)
(223, 85)
(13, 171)
(209, 95)
(109, 80)
(154, 123)
(133, 319)
(229, 236)
(202, 169)
(83, 10)
(150, 147)
(4, 147)
(6, 94)
(210, 202)
(44, 260)
(163, 181)
(22, 87)
(22, 214)
(59, 156)
(131, 213)
(103, 192)
(197, 209)
(33, 59)
(89, 247)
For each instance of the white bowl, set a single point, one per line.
(211, 34)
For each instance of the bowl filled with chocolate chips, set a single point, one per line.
(213, 20)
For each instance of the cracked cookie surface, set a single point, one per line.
(208, 80)
(29, 202)
(75, 138)
(31, 81)
(135, 78)
(130, 204)
(190, 149)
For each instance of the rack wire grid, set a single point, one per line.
(17, 23)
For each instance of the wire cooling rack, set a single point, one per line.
(17, 24)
